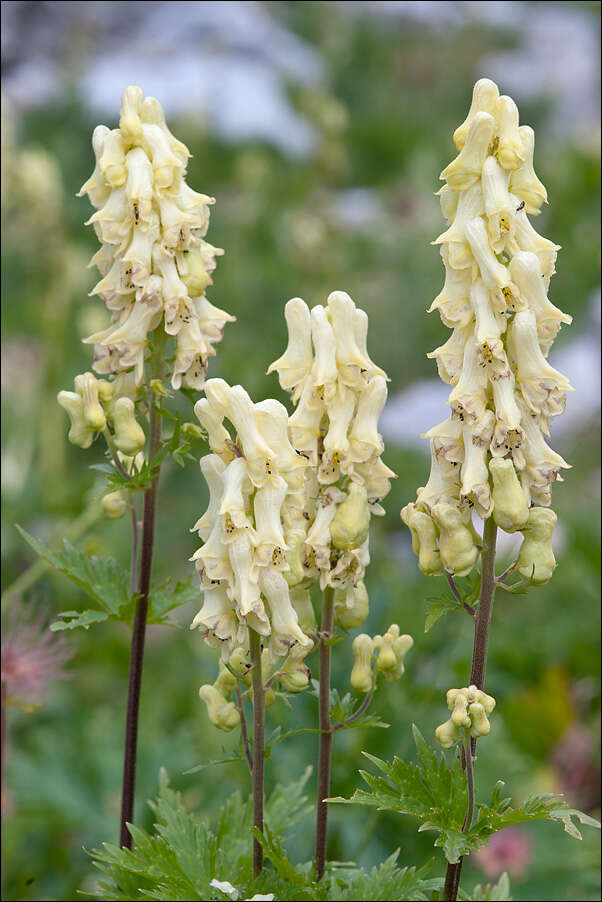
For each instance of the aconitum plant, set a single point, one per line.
(282, 571)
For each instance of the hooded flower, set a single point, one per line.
(154, 261)
(491, 455)
(243, 561)
(339, 395)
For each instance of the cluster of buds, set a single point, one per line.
(490, 455)
(290, 674)
(97, 404)
(338, 394)
(388, 651)
(470, 708)
(254, 477)
(154, 261)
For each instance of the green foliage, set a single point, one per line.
(437, 796)
(176, 446)
(499, 891)
(107, 583)
(183, 855)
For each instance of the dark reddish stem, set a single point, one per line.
(139, 626)
(326, 732)
(479, 665)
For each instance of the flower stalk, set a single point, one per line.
(258, 745)
(326, 731)
(139, 625)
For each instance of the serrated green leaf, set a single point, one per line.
(499, 892)
(103, 579)
(163, 598)
(73, 619)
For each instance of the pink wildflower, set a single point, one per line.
(31, 657)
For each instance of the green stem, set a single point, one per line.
(477, 671)
(326, 732)
(258, 745)
(139, 625)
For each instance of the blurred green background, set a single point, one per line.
(336, 191)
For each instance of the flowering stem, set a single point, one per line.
(139, 627)
(134, 556)
(470, 784)
(456, 593)
(326, 731)
(477, 672)
(243, 729)
(357, 713)
(258, 745)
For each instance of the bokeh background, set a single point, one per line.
(321, 129)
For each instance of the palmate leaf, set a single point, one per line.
(384, 882)
(103, 579)
(436, 795)
(498, 892)
(107, 583)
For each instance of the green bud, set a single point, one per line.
(301, 601)
(240, 664)
(86, 386)
(361, 675)
(510, 504)
(447, 734)
(294, 540)
(114, 505)
(457, 546)
(80, 433)
(480, 724)
(192, 430)
(351, 523)
(424, 539)
(536, 559)
(222, 714)
(225, 682)
(350, 618)
(129, 435)
(197, 278)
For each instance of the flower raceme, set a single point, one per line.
(253, 476)
(291, 498)
(470, 708)
(491, 455)
(154, 261)
(338, 393)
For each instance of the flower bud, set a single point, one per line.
(510, 151)
(225, 682)
(80, 433)
(114, 505)
(350, 526)
(480, 726)
(361, 674)
(392, 649)
(470, 707)
(129, 435)
(222, 714)
(466, 168)
(536, 561)
(301, 601)
(510, 506)
(424, 539)
(484, 98)
(457, 546)
(86, 386)
(351, 607)
(448, 734)
(294, 672)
